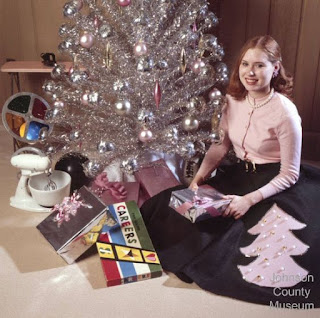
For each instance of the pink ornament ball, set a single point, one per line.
(86, 40)
(145, 135)
(140, 48)
(85, 99)
(198, 65)
(124, 3)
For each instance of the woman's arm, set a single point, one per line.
(211, 161)
(215, 153)
(289, 134)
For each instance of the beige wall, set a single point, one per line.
(30, 27)
(295, 24)
(27, 29)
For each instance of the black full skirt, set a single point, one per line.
(208, 252)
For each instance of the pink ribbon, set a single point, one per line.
(198, 201)
(69, 206)
(117, 190)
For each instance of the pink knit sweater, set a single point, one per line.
(271, 133)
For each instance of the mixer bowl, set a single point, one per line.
(49, 198)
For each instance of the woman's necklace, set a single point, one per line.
(263, 103)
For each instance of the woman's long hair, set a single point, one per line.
(282, 83)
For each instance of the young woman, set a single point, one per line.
(264, 128)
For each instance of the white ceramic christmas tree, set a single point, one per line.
(274, 246)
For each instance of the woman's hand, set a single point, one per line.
(237, 207)
(196, 182)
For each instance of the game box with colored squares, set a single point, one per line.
(125, 249)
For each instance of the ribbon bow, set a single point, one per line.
(69, 206)
(117, 190)
(199, 201)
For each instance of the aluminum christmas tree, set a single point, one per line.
(144, 78)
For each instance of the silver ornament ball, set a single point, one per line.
(188, 150)
(211, 21)
(43, 133)
(142, 19)
(190, 123)
(105, 146)
(145, 115)
(197, 103)
(58, 103)
(78, 4)
(77, 76)
(216, 136)
(207, 71)
(129, 166)
(210, 42)
(102, 147)
(145, 64)
(171, 134)
(67, 45)
(92, 168)
(162, 65)
(74, 135)
(94, 98)
(110, 146)
(214, 94)
(50, 150)
(58, 71)
(64, 29)
(105, 31)
(122, 107)
(70, 9)
(49, 87)
(120, 86)
(221, 68)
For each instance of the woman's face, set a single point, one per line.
(255, 72)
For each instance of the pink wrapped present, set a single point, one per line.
(155, 178)
(195, 206)
(115, 192)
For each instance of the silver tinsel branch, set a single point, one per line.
(143, 79)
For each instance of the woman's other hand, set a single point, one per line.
(237, 207)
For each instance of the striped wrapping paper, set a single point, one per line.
(125, 249)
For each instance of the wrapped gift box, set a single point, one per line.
(155, 178)
(125, 249)
(75, 224)
(196, 206)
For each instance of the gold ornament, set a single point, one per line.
(183, 61)
(201, 46)
(107, 60)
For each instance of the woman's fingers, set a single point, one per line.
(228, 196)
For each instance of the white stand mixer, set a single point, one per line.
(30, 164)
